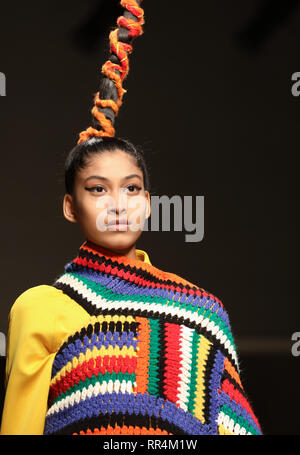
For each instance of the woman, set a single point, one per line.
(116, 345)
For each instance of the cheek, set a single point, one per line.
(87, 208)
(137, 208)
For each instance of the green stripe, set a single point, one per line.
(193, 379)
(100, 378)
(238, 419)
(154, 354)
(114, 297)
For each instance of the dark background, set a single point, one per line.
(209, 99)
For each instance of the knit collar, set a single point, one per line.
(98, 250)
(93, 261)
(101, 254)
(97, 273)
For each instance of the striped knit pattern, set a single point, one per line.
(157, 355)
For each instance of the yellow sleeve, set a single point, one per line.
(38, 321)
(29, 358)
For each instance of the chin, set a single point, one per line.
(117, 241)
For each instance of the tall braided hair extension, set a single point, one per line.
(108, 99)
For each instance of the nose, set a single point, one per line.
(118, 204)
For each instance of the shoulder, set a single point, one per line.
(211, 319)
(36, 292)
(203, 311)
(190, 288)
(35, 298)
(46, 311)
(38, 303)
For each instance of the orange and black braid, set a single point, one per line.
(108, 99)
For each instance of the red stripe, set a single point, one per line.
(236, 395)
(161, 275)
(172, 361)
(99, 365)
(132, 276)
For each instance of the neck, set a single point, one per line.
(127, 252)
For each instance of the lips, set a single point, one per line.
(117, 222)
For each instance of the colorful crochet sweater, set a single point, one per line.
(130, 349)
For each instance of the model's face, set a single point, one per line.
(108, 190)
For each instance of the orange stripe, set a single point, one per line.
(232, 371)
(123, 430)
(97, 249)
(142, 375)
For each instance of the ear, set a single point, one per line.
(69, 208)
(148, 204)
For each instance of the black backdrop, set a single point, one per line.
(209, 98)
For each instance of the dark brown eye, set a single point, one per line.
(134, 187)
(95, 189)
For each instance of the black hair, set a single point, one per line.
(91, 142)
(80, 154)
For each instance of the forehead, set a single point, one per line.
(112, 165)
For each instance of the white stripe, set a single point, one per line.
(100, 302)
(185, 354)
(97, 389)
(229, 424)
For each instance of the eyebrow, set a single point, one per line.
(100, 177)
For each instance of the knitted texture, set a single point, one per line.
(157, 356)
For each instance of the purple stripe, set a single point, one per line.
(120, 286)
(76, 348)
(214, 385)
(238, 409)
(121, 403)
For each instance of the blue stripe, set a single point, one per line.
(107, 339)
(238, 409)
(122, 403)
(214, 385)
(121, 286)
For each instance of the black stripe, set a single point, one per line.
(209, 366)
(128, 268)
(161, 360)
(94, 311)
(105, 420)
(226, 375)
(98, 327)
